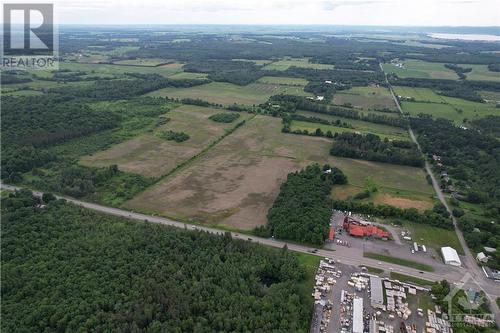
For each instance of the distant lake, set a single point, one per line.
(489, 38)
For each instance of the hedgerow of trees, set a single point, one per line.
(372, 148)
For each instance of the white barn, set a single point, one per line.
(450, 256)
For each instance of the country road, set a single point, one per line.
(490, 288)
(345, 255)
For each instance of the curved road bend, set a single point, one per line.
(490, 287)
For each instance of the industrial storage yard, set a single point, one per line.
(349, 299)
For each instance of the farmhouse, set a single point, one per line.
(450, 256)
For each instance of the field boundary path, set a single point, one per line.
(488, 286)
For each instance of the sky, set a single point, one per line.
(329, 12)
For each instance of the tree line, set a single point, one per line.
(372, 148)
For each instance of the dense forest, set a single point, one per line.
(31, 123)
(124, 88)
(301, 212)
(469, 157)
(68, 269)
(488, 125)
(371, 147)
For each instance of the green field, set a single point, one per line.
(235, 183)
(282, 65)
(434, 237)
(228, 93)
(481, 73)
(492, 97)
(149, 155)
(257, 62)
(455, 110)
(418, 94)
(118, 70)
(399, 261)
(360, 126)
(141, 62)
(188, 76)
(368, 98)
(288, 81)
(421, 69)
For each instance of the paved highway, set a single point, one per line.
(343, 254)
(490, 288)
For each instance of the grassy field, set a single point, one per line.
(421, 69)
(227, 93)
(434, 237)
(257, 62)
(368, 98)
(383, 131)
(402, 198)
(141, 62)
(235, 182)
(281, 80)
(399, 261)
(150, 155)
(455, 109)
(117, 69)
(481, 73)
(410, 279)
(492, 97)
(188, 76)
(284, 64)
(419, 94)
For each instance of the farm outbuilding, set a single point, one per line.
(450, 256)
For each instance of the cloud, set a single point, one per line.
(331, 5)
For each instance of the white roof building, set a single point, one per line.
(357, 316)
(450, 256)
(481, 257)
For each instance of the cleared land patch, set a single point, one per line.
(420, 69)
(418, 94)
(455, 109)
(368, 98)
(360, 126)
(117, 69)
(228, 93)
(288, 81)
(284, 64)
(141, 62)
(235, 183)
(151, 155)
(188, 76)
(481, 73)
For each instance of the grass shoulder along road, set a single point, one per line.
(410, 279)
(399, 261)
